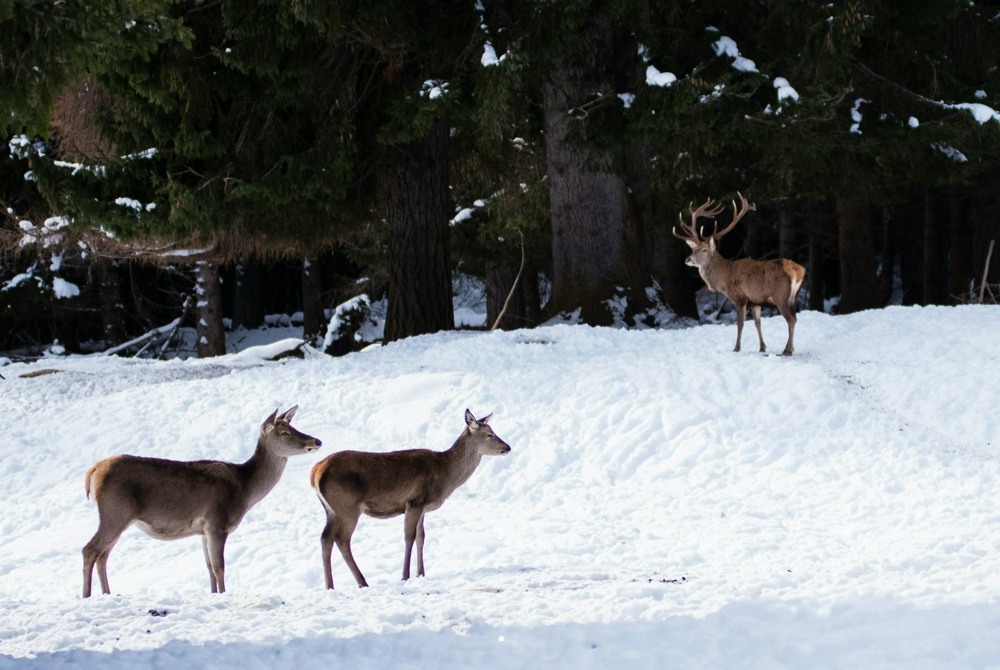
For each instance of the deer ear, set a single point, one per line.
(691, 244)
(485, 419)
(471, 422)
(287, 416)
(711, 243)
(269, 421)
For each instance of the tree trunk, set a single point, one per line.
(858, 278)
(419, 270)
(664, 254)
(248, 296)
(962, 268)
(909, 249)
(935, 255)
(887, 276)
(109, 292)
(312, 302)
(786, 230)
(208, 310)
(753, 244)
(815, 276)
(593, 233)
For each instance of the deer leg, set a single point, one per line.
(420, 546)
(741, 315)
(412, 521)
(96, 552)
(341, 532)
(790, 318)
(755, 309)
(216, 546)
(102, 568)
(326, 542)
(213, 583)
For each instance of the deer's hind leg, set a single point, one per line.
(789, 313)
(97, 550)
(755, 309)
(338, 530)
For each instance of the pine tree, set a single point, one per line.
(864, 114)
(236, 136)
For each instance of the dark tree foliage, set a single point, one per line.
(421, 137)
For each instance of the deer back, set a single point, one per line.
(170, 498)
(384, 484)
(380, 483)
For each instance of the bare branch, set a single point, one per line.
(506, 303)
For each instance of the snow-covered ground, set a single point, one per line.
(667, 503)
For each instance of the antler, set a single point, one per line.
(737, 215)
(707, 208)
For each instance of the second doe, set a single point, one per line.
(383, 485)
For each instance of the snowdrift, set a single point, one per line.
(667, 503)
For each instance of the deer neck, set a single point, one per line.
(715, 273)
(462, 459)
(261, 472)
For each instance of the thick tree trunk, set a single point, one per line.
(208, 310)
(312, 302)
(786, 230)
(962, 260)
(815, 276)
(109, 292)
(935, 254)
(664, 254)
(419, 270)
(887, 275)
(248, 296)
(753, 244)
(593, 233)
(858, 278)
(909, 250)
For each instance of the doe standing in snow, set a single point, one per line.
(383, 485)
(743, 281)
(174, 499)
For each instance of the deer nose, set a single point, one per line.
(319, 442)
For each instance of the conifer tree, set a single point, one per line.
(235, 137)
(422, 48)
(848, 106)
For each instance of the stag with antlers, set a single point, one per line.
(744, 281)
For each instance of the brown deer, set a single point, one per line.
(174, 499)
(383, 485)
(743, 281)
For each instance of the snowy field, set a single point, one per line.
(667, 503)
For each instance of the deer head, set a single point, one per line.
(702, 247)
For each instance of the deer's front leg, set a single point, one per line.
(741, 315)
(420, 546)
(215, 548)
(411, 523)
(213, 584)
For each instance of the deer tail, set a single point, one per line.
(86, 479)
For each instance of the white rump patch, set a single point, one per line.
(796, 284)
